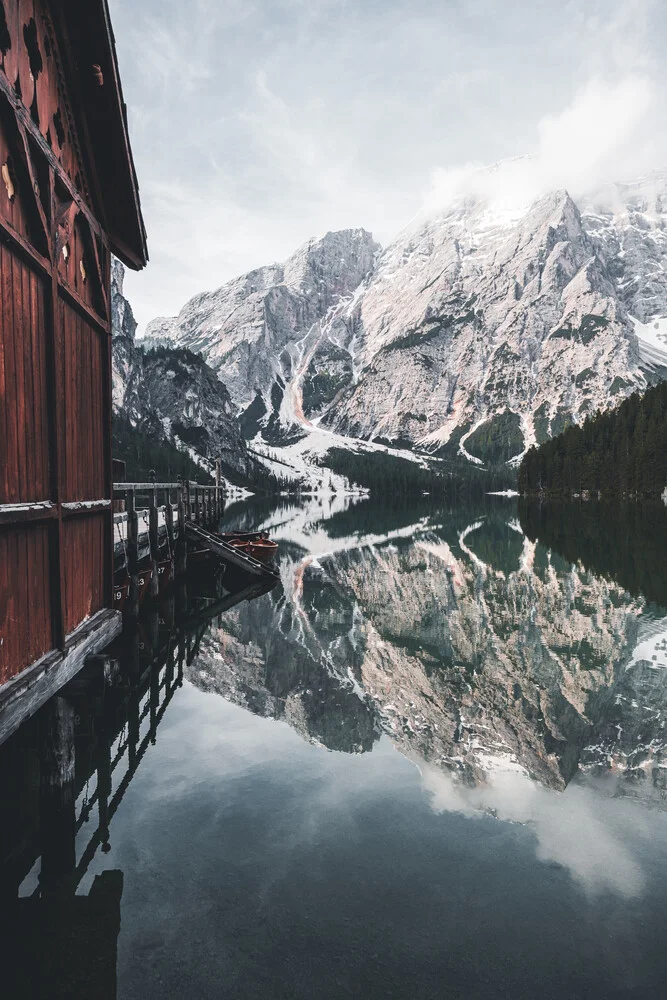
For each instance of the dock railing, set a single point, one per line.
(164, 509)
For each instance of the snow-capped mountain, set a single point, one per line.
(475, 332)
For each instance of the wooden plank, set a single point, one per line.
(144, 487)
(24, 616)
(21, 697)
(74, 507)
(12, 494)
(39, 389)
(29, 428)
(55, 425)
(75, 302)
(19, 360)
(19, 244)
(23, 512)
(45, 596)
(59, 416)
(4, 445)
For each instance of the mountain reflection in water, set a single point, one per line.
(516, 844)
(477, 648)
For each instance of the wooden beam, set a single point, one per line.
(25, 250)
(24, 694)
(20, 513)
(84, 507)
(74, 299)
(24, 118)
(57, 450)
(37, 196)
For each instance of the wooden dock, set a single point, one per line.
(171, 515)
(154, 524)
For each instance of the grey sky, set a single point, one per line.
(257, 125)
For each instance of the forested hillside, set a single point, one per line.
(620, 452)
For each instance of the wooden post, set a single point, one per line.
(57, 792)
(105, 739)
(171, 663)
(133, 713)
(154, 696)
(197, 505)
(132, 604)
(218, 477)
(169, 518)
(182, 546)
(188, 501)
(153, 537)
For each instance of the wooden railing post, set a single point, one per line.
(169, 520)
(218, 477)
(197, 506)
(132, 553)
(182, 545)
(153, 537)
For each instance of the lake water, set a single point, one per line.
(430, 763)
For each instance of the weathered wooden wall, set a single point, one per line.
(55, 406)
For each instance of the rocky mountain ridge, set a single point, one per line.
(171, 394)
(474, 333)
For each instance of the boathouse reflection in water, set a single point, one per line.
(65, 771)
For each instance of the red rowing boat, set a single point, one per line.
(263, 549)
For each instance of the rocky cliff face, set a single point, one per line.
(475, 333)
(173, 395)
(249, 329)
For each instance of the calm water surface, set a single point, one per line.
(430, 763)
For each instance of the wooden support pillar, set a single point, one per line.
(151, 630)
(182, 652)
(153, 538)
(133, 720)
(218, 490)
(169, 670)
(108, 666)
(169, 519)
(197, 505)
(105, 739)
(132, 604)
(182, 545)
(154, 696)
(57, 791)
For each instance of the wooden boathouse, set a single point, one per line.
(68, 199)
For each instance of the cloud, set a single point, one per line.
(257, 125)
(597, 839)
(590, 142)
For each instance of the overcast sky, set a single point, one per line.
(256, 125)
